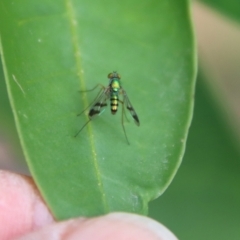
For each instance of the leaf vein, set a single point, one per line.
(73, 26)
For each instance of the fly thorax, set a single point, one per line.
(115, 85)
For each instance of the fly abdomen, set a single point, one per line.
(114, 104)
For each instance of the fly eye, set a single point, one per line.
(110, 75)
(119, 76)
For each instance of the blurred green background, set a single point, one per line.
(203, 200)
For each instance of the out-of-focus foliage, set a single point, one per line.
(229, 7)
(203, 200)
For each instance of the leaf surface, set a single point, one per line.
(53, 49)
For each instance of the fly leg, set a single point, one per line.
(83, 127)
(124, 114)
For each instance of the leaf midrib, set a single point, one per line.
(77, 54)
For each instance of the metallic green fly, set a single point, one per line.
(112, 92)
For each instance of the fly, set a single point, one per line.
(112, 93)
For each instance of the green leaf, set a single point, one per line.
(229, 7)
(52, 49)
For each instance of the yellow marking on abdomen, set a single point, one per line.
(114, 103)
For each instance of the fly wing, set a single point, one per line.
(99, 103)
(130, 108)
